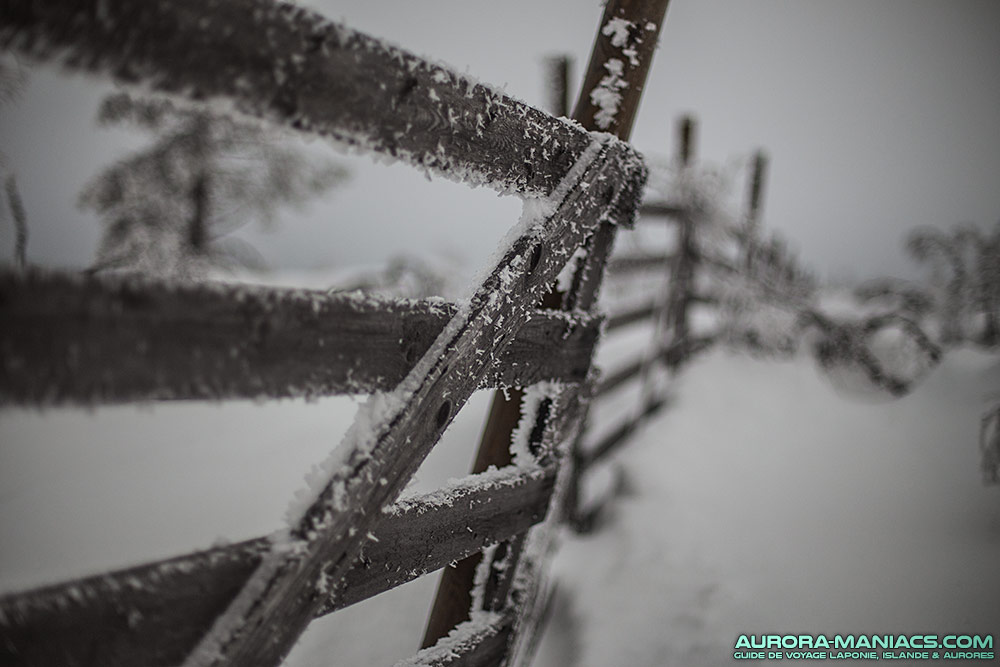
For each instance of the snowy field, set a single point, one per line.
(763, 501)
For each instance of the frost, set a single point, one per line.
(618, 29)
(481, 577)
(463, 638)
(606, 95)
(565, 278)
(456, 490)
(521, 439)
(536, 210)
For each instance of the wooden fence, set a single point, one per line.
(77, 339)
(690, 271)
(70, 339)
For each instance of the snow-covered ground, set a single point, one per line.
(762, 501)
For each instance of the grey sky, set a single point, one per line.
(878, 116)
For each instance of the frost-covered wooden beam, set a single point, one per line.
(394, 432)
(609, 100)
(619, 434)
(626, 264)
(479, 642)
(291, 66)
(68, 338)
(672, 355)
(683, 350)
(620, 376)
(669, 211)
(153, 614)
(631, 316)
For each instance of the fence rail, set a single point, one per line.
(73, 339)
(151, 614)
(293, 67)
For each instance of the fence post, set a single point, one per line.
(751, 228)
(687, 252)
(686, 128)
(634, 24)
(558, 84)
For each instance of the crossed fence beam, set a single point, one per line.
(287, 65)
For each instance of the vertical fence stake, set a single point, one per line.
(558, 89)
(687, 253)
(686, 128)
(640, 21)
(757, 181)
(755, 197)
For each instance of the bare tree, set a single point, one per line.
(167, 208)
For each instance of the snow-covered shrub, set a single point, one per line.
(881, 354)
(890, 295)
(965, 272)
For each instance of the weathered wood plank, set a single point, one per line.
(681, 351)
(717, 263)
(153, 614)
(631, 316)
(393, 433)
(618, 435)
(619, 376)
(703, 299)
(290, 65)
(67, 338)
(669, 211)
(479, 642)
(624, 264)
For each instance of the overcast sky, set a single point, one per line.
(878, 117)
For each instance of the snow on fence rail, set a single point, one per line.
(247, 604)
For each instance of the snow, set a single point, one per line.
(618, 29)
(802, 510)
(607, 96)
(460, 639)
